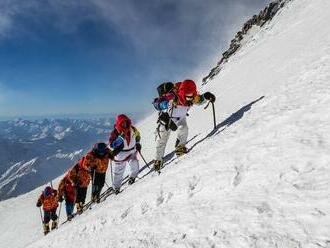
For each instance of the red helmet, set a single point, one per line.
(187, 87)
(123, 123)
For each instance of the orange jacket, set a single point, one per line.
(80, 174)
(84, 178)
(73, 174)
(48, 202)
(99, 164)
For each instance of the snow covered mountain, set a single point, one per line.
(34, 152)
(260, 179)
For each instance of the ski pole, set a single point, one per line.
(144, 160)
(214, 118)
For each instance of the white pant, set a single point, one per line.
(118, 169)
(163, 135)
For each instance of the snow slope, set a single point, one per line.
(261, 179)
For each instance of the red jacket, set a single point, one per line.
(67, 189)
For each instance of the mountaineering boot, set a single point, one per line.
(94, 199)
(157, 165)
(54, 224)
(46, 228)
(70, 216)
(79, 206)
(131, 180)
(180, 150)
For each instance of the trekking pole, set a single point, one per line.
(144, 160)
(107, 185)
(214, 118)
(42, 221)
(213, 110)
(111, 175)
(59, 214)
(93, 184)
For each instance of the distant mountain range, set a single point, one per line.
(32, 152)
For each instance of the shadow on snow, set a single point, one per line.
(229, 121)
(226, 123)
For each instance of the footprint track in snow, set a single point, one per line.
(125, 213)
(238, 177)
(192, 185)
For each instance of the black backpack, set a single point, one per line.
(165, 88)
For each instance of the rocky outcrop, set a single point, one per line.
(263, 17)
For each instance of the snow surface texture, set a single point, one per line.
(261, 179)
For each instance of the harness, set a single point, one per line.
(127, 158)
(166, 118)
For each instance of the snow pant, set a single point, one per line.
(50, 215)
(69, 206)
(81, 194)
(98, 183)
(118, 169)
(163, 135)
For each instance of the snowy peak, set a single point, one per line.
(244, 35)
(34, 152)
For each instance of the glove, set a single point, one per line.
(39, 204)
(138, 147)
(209, 96)
(60, 199)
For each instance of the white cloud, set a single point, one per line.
(205, 27)
(186, 30)
(207, 20)
(5, 21)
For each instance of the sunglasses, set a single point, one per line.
(189, 98)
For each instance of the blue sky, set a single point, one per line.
(100, 56)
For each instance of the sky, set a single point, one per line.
(62, 57)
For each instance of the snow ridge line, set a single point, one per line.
(264, 16)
